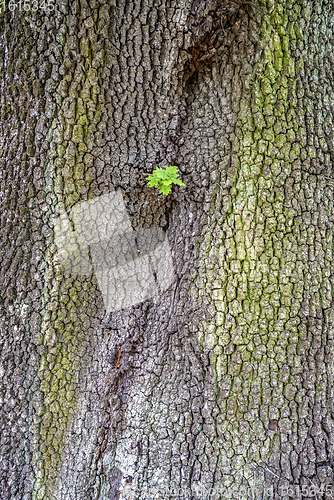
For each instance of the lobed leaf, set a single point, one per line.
(164, 178)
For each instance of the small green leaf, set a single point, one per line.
(159, 173)
(172, 169)
(164, 178)
(153, 182)
(165, 189)
(179, 182)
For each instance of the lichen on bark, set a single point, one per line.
(272, 252)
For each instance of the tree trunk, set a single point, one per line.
(219, 385)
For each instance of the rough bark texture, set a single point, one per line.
(222, 384)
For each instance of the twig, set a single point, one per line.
(271, 472)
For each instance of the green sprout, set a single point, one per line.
(164, 178)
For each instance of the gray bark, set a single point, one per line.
(221, 385)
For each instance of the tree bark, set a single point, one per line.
(221, 385)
